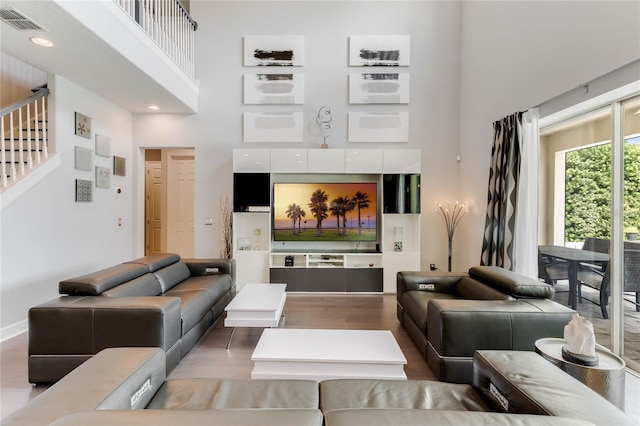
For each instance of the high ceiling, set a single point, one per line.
(82, 57)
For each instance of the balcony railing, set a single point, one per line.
(23, 127)
(169, 24)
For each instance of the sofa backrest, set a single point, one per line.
(168, 269)
(472, 289)
(96, 283)
(511, 283)
(146, 285)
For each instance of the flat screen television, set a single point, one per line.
(336, 212)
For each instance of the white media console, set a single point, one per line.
(315, 267)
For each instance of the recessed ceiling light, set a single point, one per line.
(154, 107)
(41, 41)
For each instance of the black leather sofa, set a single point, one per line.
(157, 301)
(451, 315)
(128, 386)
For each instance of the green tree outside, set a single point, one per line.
(588, 191)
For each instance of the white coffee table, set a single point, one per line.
(317, 354)
(256, 305)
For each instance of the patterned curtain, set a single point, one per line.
(497, 244)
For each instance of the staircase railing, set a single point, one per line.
(169, 24)
(23, 126)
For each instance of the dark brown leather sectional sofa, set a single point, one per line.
(451, 315)
(157, 301)
(128, 386)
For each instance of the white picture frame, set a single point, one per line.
(103, 146)
(273, 127)
(103, 177)
(83, 159)
(274, 51)
(379, 127)
(379, 88)
(82, 125)
(379, 50)
(273, 89)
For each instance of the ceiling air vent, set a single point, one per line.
(18, 20)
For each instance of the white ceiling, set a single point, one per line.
(83, 58)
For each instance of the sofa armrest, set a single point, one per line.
(86, 325)
(116, 378)
(199, 267)
(435, 281)
(525, 382)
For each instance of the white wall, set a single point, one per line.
(516, 55)
(216, 130)
(46, 235)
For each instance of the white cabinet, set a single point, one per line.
(401, 161)
(363, 161)
(325, 161)
(251, 160)
(288, 160)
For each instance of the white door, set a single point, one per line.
(154, 215)
(180, 201)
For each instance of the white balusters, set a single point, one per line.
(169, 25)
(23, 138)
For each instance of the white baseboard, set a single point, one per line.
(13, 330)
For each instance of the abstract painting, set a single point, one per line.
(273, 127)
(379, 88)
(83, 158)
(103, 146)
(274, 89)
(379, 127)
(103, 177)
(273, 51)
(379, 51)
(82, 125)
(84, 190)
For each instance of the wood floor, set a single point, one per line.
(210, 358)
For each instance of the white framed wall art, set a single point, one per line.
(274, 88)
(379, 88)
(273, 127)
(379, 50)
(274, 51)
(379, 127)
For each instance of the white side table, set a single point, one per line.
(606, 378)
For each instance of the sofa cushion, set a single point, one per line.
(420, 394)
(171, 275)
(415, 305)
(95, 283)
(210, 394)
(410, 417)
(146, 285)
(194, 305)
(217, 285)
(157, 261)
(512, 283)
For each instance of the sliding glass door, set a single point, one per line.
(590, 200)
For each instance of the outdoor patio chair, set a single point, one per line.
(600, 280)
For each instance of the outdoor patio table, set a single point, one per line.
(574, 257)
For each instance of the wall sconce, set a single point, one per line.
(398, 233)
